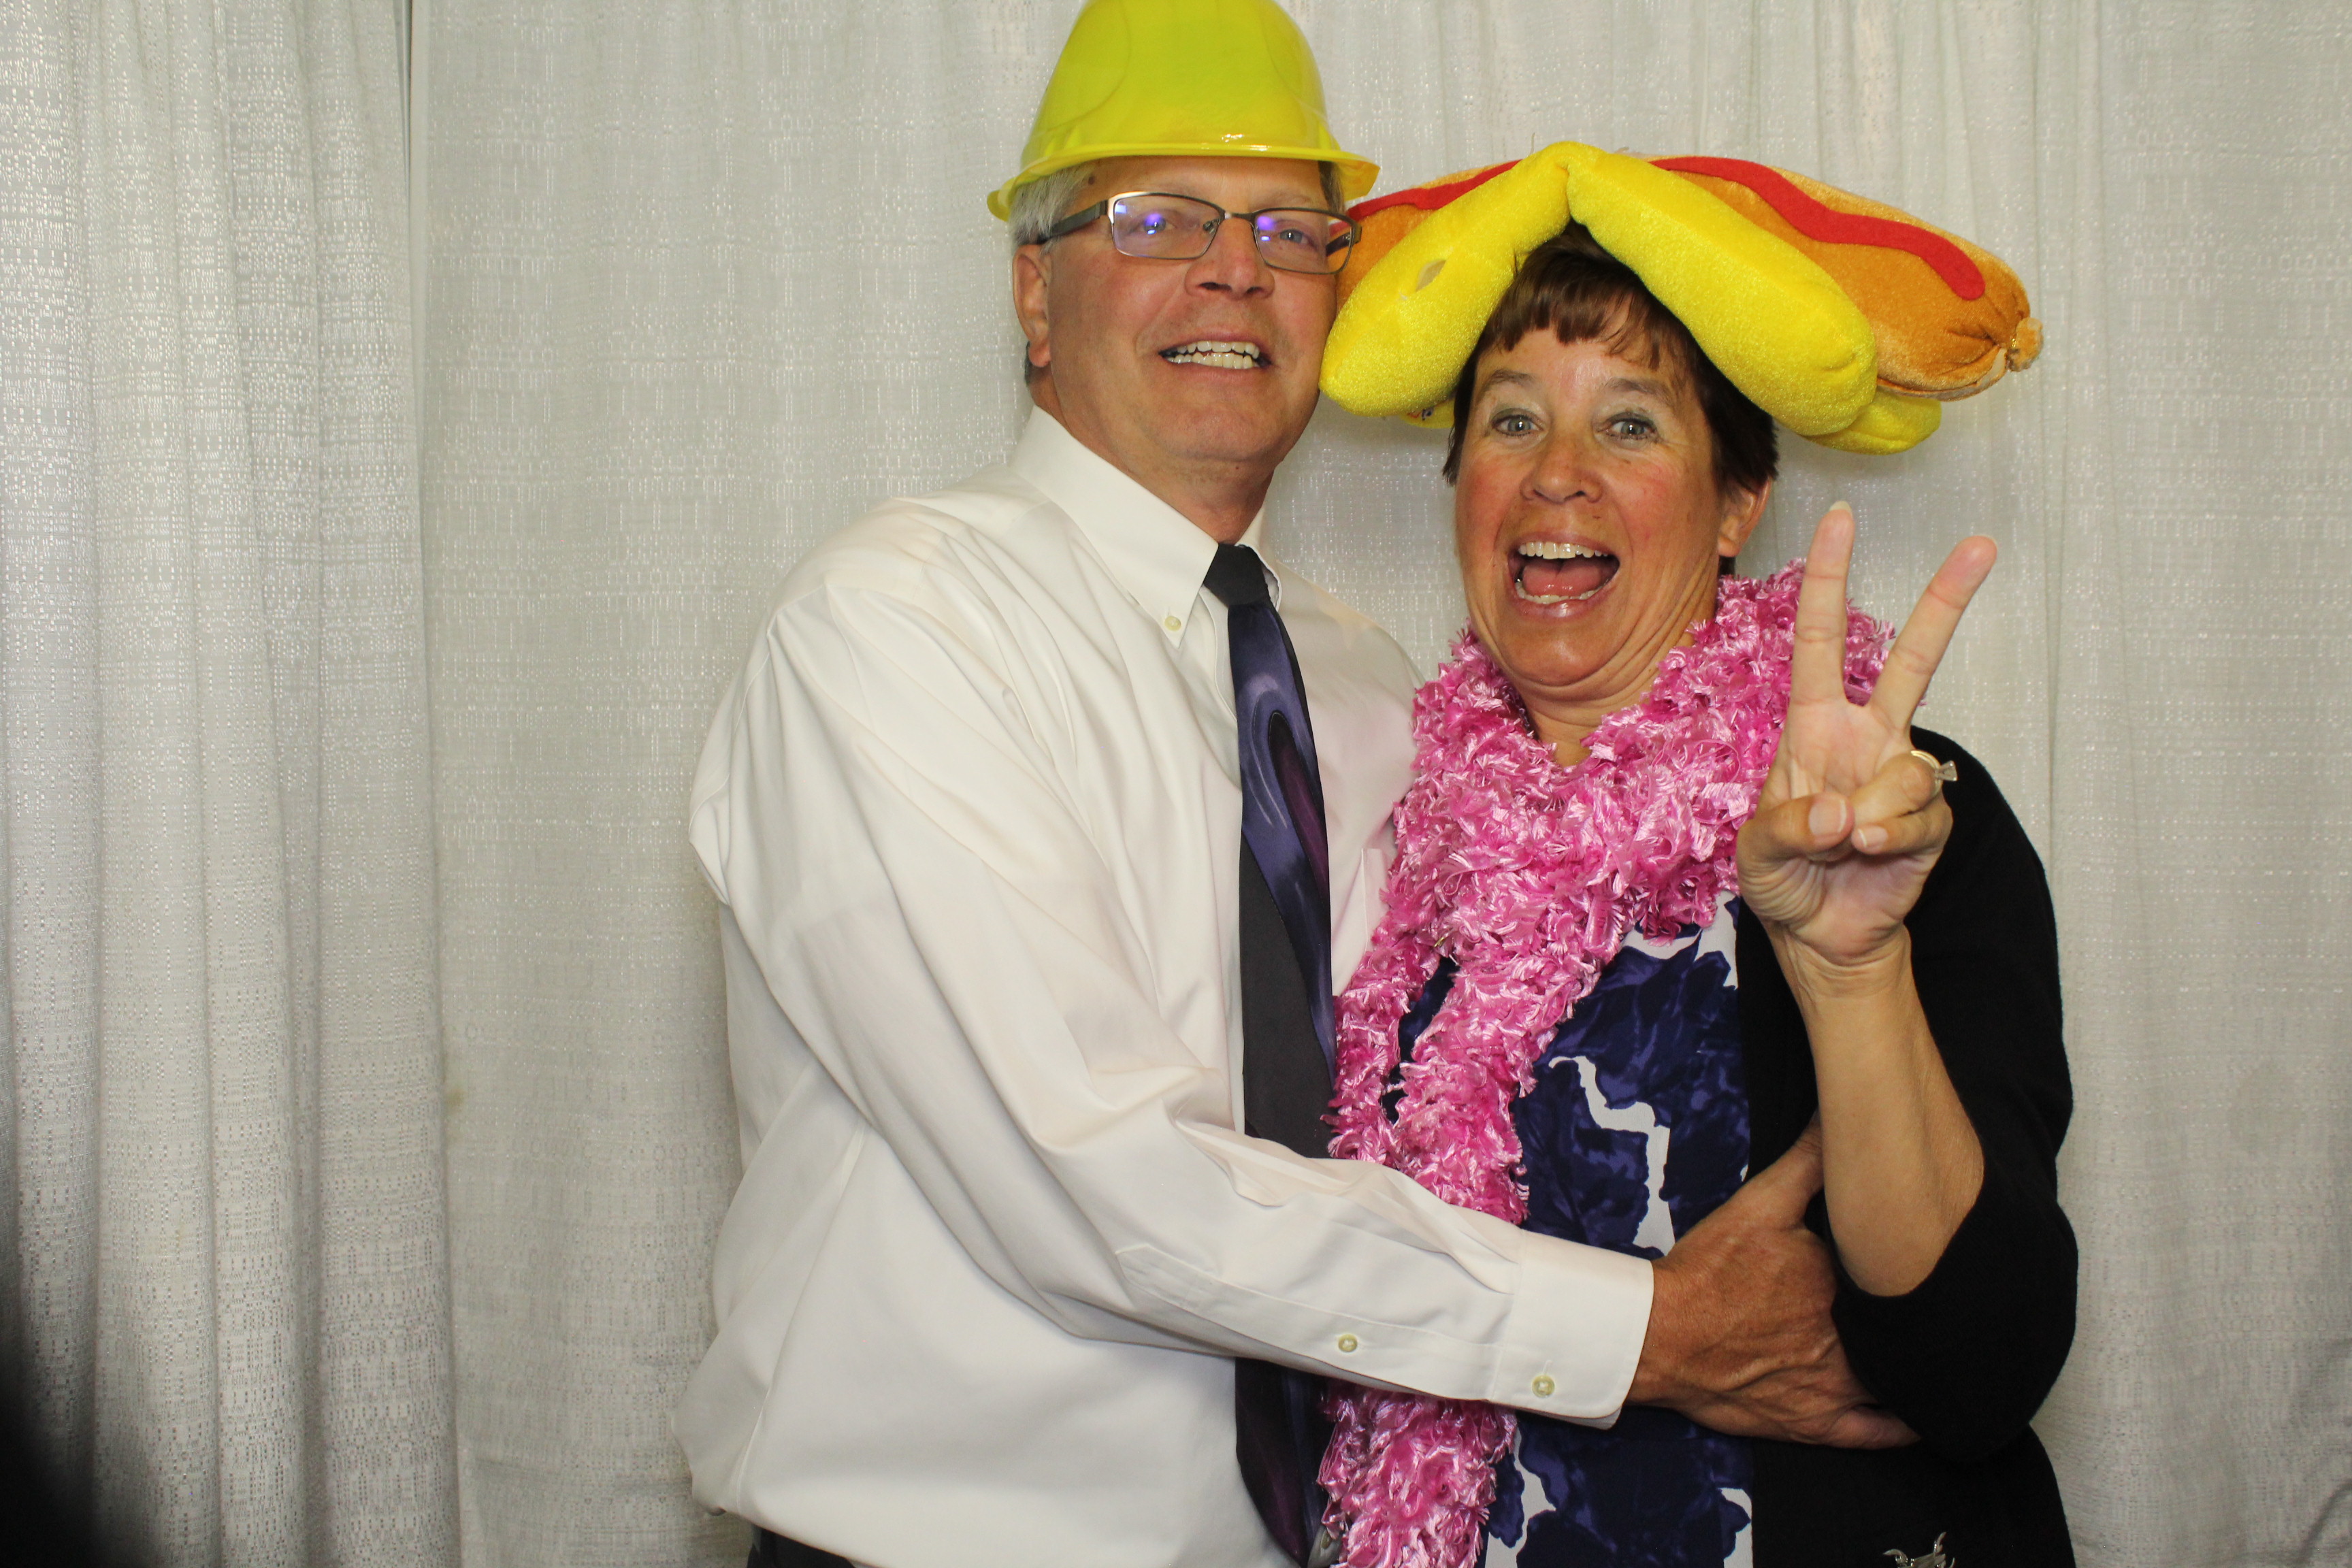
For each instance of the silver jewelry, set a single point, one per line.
(1935, 1556)
(1946, 773)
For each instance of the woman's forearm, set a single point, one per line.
(1900, 1161)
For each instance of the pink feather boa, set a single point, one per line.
(1530, 875)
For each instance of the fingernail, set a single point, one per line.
(1869, 838)
(1826, 816)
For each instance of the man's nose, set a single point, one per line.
(1232, 261)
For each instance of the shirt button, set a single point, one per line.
(1173, 623)
(1346, 1344)
(1543, 1386)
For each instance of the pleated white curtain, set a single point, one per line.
(224, 1298)
(709, 277)
(702, 279)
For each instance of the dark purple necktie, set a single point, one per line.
(1287, 1032)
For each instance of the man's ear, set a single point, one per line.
(1033, 272)
(1742, 510)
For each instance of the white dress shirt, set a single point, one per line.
(973, 810)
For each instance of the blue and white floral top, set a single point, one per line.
(1635, 1129)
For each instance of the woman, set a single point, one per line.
(1643, 937)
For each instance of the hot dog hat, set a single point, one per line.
(1846, 321)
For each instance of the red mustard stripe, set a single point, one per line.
(1815, 221)
(1428, 198)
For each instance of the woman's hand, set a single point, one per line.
(1850, 820)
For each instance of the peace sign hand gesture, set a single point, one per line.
(1850, 820)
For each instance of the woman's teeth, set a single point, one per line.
(1549, 572)
(1217, 356)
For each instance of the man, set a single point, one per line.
(1007, 895)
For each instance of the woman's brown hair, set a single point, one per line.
(1579, 292)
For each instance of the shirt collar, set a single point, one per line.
(1156, 555)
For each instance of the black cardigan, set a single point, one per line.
(1968, 1355)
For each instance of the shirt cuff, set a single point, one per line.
(1575, 1335)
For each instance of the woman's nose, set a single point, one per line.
(1562, 472)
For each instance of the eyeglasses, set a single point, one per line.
(1158, 227)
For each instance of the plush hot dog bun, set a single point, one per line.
(1843, 319)
(1950, 317)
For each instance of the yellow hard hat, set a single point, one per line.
(1143, 78)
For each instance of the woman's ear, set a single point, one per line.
(1742, 510)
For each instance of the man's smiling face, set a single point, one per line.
(1179, 372)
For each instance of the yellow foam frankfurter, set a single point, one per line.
(1796, 291)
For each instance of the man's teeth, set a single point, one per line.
(1219, 355)
(1546, 550)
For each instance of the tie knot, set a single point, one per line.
(1237, 576)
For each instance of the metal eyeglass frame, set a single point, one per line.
(1084, 216)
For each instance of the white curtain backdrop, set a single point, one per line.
(701, 278)
(224, 1293)
(709, 277)
(706, 279)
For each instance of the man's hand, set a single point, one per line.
(1740, 1337)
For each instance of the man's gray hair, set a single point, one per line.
(1037, 206)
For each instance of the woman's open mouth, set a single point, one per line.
(1550, 572)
